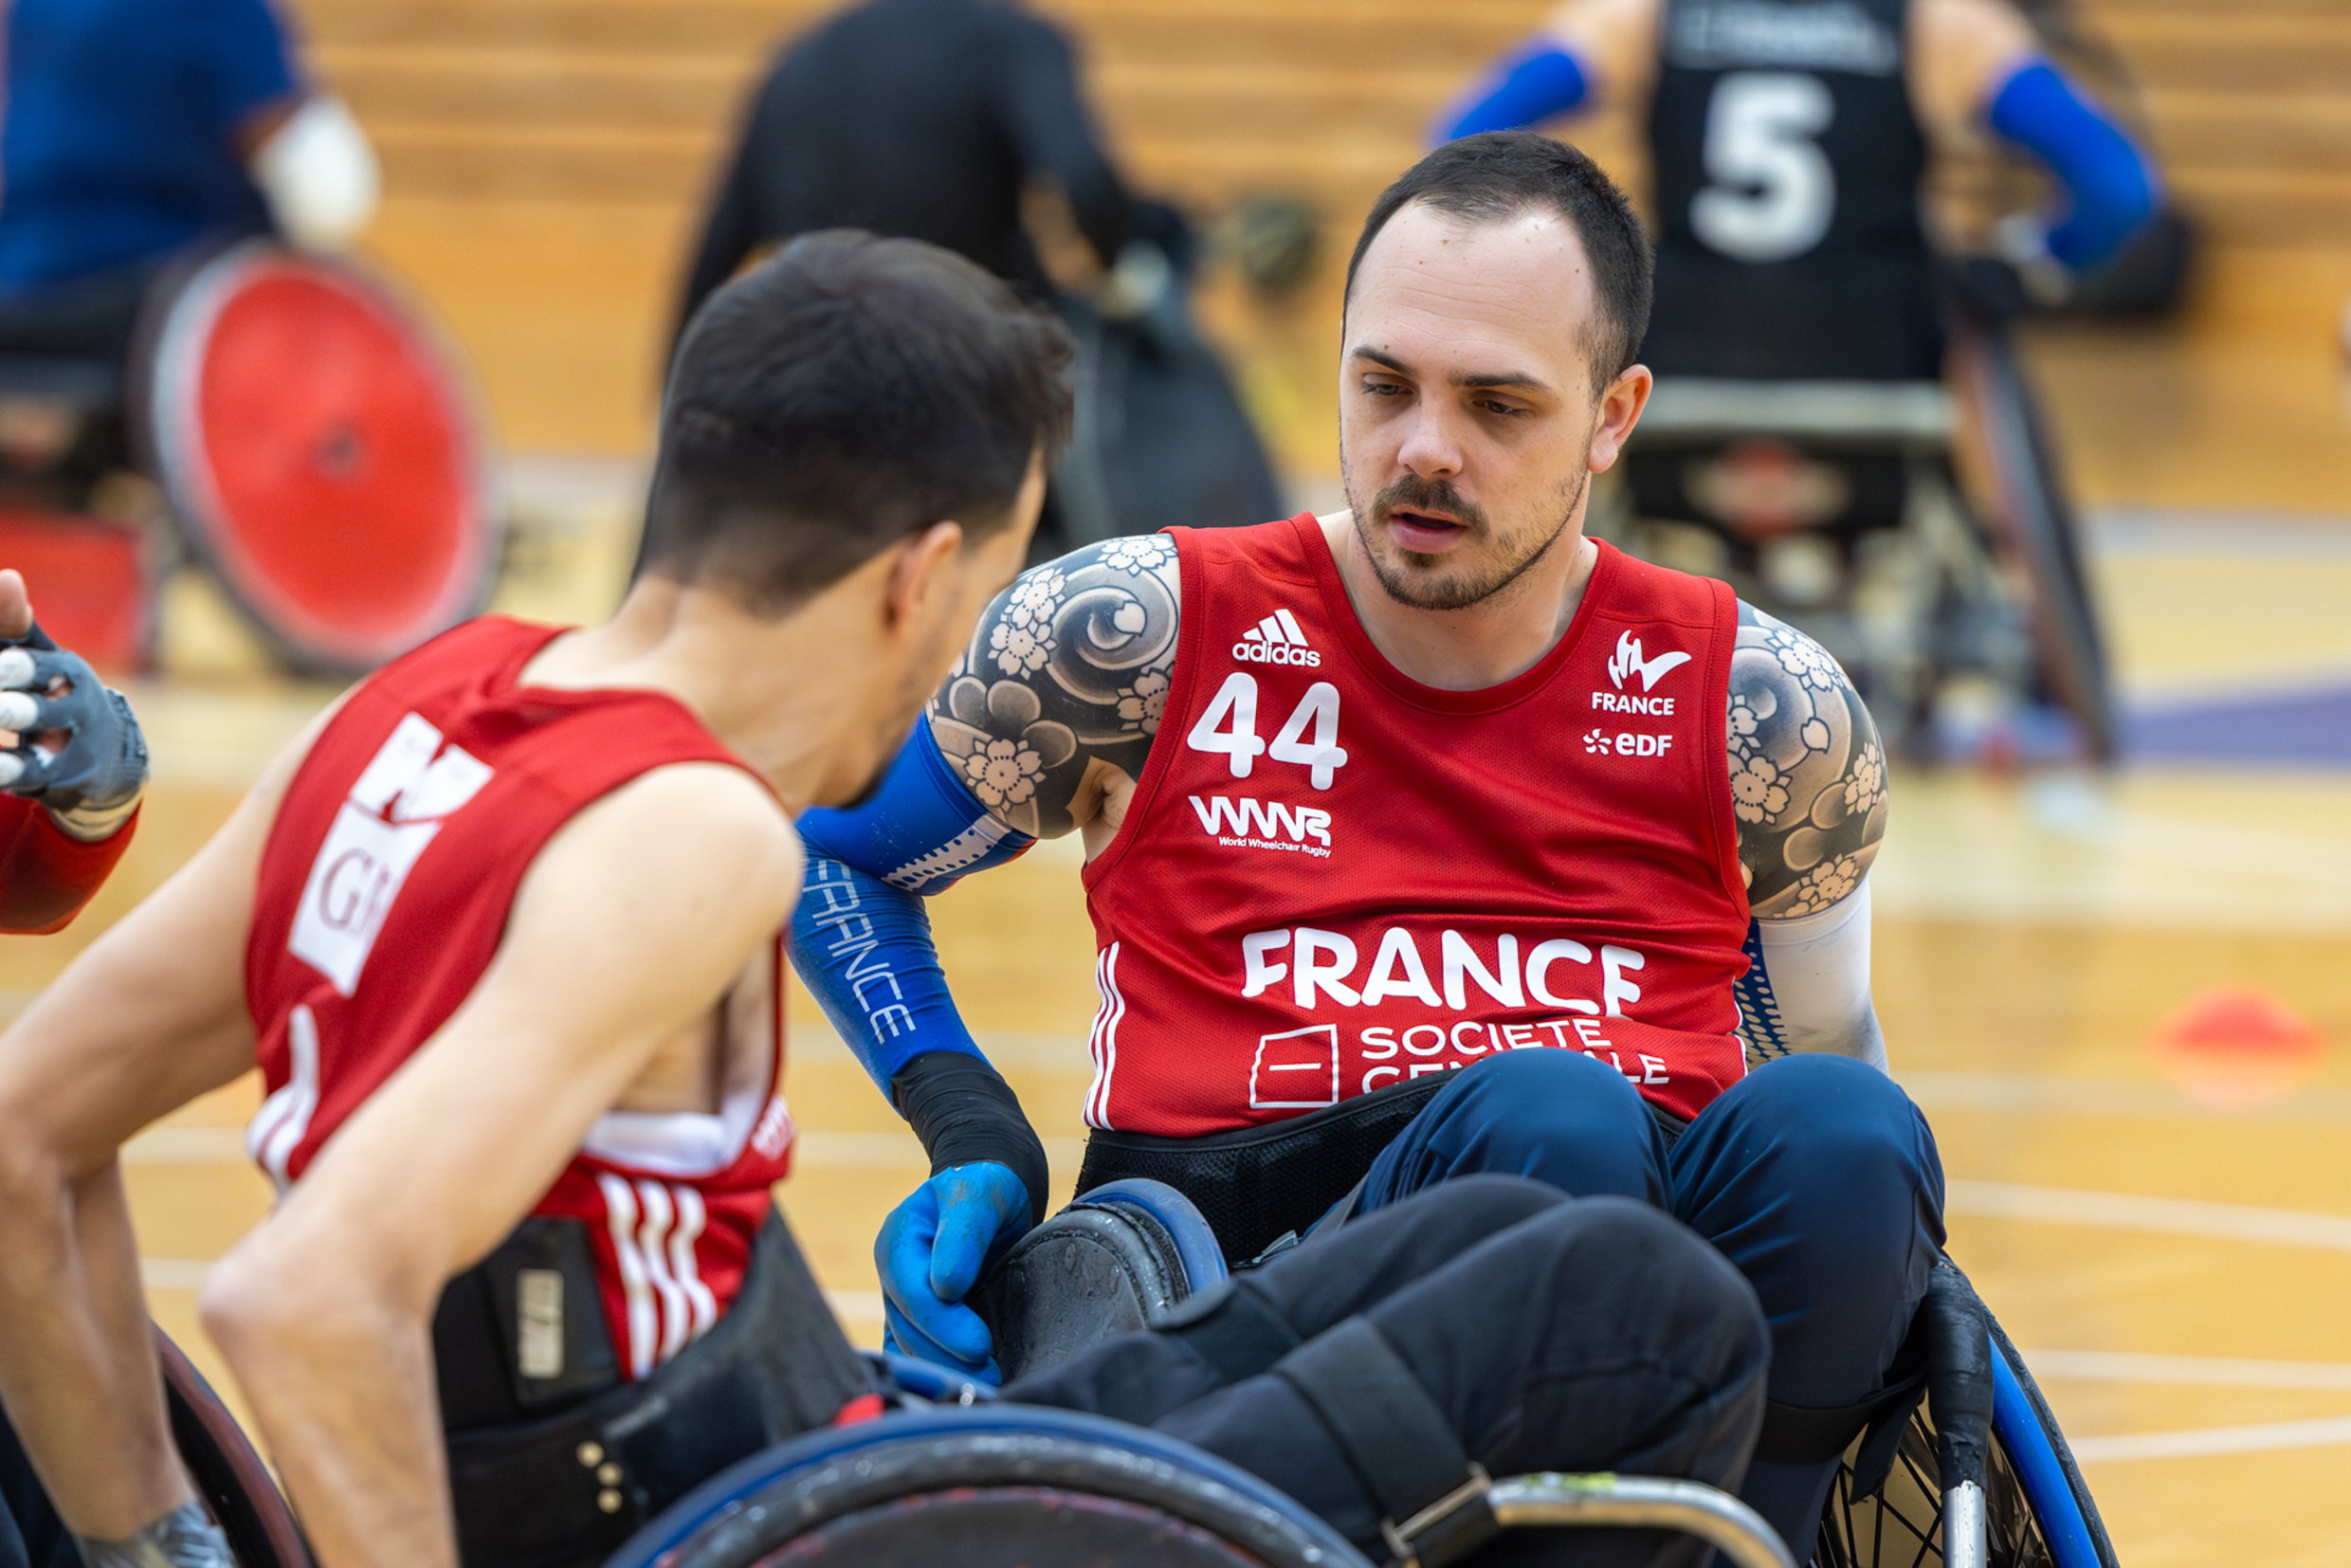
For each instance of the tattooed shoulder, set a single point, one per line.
(1069, 663)
(1807, 773)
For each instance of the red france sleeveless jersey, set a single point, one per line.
(383, 893)
(1333, 878)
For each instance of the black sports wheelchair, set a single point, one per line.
(1963, 1464)
(1919, 530)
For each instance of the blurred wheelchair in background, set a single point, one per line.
(313, 446)
(1919, 531)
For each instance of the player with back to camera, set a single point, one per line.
(1376, 804)
(1788, 140)
(504, 929)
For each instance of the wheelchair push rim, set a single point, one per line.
(838, 1491)
(237, 1487)
(319, 448)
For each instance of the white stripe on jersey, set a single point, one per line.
(686, 1268)
(1290, 628)
(1105, 1042)
(660, 1213)
(284, 1121)
(620, 1209)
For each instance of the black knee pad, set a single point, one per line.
(1103, 1267)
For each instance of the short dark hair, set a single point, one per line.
(841, 396)
(1498, 175)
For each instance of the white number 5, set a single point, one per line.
(1773, 191)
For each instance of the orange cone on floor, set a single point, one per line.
(2236, 1046)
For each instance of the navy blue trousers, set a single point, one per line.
(1814, 1175)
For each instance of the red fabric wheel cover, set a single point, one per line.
(331, 468)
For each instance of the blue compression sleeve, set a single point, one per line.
(1531, 84)
(921, 831)
(860, 938)
(2113, 185)
(864, 950)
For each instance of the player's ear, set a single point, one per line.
(1620, 409)
(919, 573)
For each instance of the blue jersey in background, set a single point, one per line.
(118, 138)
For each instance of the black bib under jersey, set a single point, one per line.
(1786, 168)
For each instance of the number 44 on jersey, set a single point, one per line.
(1230, 725)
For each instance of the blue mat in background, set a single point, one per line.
(2307, 727)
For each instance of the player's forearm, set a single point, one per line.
(340, 1378)
(78, 1365)
(49, 872)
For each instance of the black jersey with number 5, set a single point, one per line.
(1786, 165)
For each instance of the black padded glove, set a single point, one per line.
(103, 765)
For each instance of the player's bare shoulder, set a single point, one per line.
(1807, 771)
(1070, 665)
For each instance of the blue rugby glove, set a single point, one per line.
(93, 779)
(934, 1248)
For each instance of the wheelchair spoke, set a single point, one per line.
(1901, 1526)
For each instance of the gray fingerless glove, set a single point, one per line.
(93, 781)
(185, 1538)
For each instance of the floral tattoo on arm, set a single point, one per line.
(1808, 773)
(1070, 664)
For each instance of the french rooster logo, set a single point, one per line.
(1626, 661)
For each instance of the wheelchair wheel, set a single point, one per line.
(237, 1486)
(992, 1487)
(2030, 510)
(318, 449)
(2037, 1511)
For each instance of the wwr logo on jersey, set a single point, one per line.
(392, 813)
(1264, 824)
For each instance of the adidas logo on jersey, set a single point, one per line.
(1276, 640)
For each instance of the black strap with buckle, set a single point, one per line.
(1400, 1445)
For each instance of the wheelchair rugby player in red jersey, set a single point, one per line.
(1424, 840)
(504, 930)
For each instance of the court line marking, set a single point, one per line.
(173, 1273)
(858, 1306)
(2027, 1093)
(188, 1274)
(2113, 1366)
(2134, 1212)
(818, 1149)
(2204, 1442)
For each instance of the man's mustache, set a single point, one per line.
(1418, 493)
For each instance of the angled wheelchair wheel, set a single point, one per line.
(992, 1487)
(237, 1486)
(2039, 1513)
(320, 453)
(2037, 523)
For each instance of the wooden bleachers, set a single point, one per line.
(545, 158)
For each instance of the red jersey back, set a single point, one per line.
(383, 893)
(1333, 878)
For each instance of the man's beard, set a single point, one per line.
(1458, 589)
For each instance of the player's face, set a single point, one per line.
(1466, 408)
